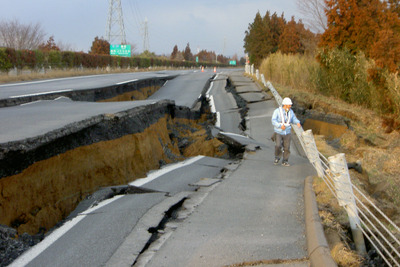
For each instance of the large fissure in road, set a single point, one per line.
(43, 179)
(118, 149)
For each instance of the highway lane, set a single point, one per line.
(224, 105)
(184, 89)
(38, 118)
(91, 238)
(14, 90)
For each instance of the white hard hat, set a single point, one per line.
(287, 101)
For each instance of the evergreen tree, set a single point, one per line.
(370, 26)
(269, 33)
(187, 54)
(395, 6)
(308, 40)
(206, 56)
(277, 26)
(289, 41)
(49, 46)
(253, 40)
(174, 52)
(100, 47)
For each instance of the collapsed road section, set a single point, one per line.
(62, 151)
(44, 176)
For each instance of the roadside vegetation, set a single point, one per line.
(350, 68)
(23, 49)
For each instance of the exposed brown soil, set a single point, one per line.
(47, 191)
(141, 94)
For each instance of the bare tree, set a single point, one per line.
(65, 46)
(15, 35)
(314, 14)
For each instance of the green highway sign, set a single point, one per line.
(232, 62)
(120, 50)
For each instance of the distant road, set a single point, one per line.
(33, 119)
(184, 89)
(22, 89)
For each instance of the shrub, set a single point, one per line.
(40, 58)
(67, 59)
(12, 56)
(5, 62)
(144, 62)
(350, 77)
(27, 58)
(54, 59)
(345, 76)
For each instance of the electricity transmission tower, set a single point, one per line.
(115, 19)
(145, 36)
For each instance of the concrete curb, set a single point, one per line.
(317, 246)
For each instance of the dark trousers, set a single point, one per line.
(282, 141)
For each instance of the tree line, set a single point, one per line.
(358, 49)
(34, 53)
(201, 56)
(16, 39)
(272, 33)
(369, 26)
(364, 34)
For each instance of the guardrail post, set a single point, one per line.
(252, 69)
(312, 151)
(263, 80)
(278, 98)
(345, 196)
(257, 74)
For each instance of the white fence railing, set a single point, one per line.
(366, 219)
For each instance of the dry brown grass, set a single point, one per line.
(368, 140)
(334, 219)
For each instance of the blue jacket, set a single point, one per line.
(277, 121)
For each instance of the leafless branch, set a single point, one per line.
(314, 14)
(15, 35)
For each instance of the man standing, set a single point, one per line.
(281, 120)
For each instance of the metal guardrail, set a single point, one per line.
(366, 219)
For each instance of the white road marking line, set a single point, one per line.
(43, 93)
(212, 104)
(154, 175)
(209, 89)
(51, 80)
(218, 122)
(35, 251)
(134, 80)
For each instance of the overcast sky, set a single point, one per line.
(213, 25)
